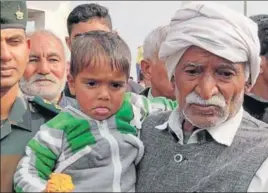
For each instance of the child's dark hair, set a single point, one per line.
(90, 47)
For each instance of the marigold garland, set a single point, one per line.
(59, 183)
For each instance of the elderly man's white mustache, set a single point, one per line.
(216, 100)
(39, 77)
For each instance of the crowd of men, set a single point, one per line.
(209, 60)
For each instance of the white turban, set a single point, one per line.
(215, 28)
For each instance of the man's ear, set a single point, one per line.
(71, 83)
(146, 69)
(248, 87)
(263, 65)
(68, 42)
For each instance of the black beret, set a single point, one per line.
(14, 14)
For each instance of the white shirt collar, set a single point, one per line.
(223, 134)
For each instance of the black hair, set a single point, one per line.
(262, 21)
(86, 12)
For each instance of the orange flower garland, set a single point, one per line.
(59, 183)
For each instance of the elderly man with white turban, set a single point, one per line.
(209, 143)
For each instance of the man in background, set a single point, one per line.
(46, 72)
(91, 17)
(153, 68)
(87, 17)
(143, 82)
(256, 102)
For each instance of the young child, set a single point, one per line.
(97, 145)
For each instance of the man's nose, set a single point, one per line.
(207, 87)
(5, 53)
(43, 68)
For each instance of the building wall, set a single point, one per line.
(257, 7)
(50, 15)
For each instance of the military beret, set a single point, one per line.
(14, 14)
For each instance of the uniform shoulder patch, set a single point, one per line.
(43, 104)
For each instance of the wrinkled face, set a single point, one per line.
(45, 74)
(99, 90)
(14, 56)
(83, 27)
(155, 71)
(210, 88)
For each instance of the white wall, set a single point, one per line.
(55, 13)
(257, 7)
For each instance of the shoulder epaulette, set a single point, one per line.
(44, 104)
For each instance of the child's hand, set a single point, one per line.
(59, 183)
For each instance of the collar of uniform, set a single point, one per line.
(19, 113)
(5, 129)
(223, 134)
(16, 117)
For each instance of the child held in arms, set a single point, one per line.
(96, 147)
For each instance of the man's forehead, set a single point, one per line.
(196, 54)
(46, 43)
(12, 32)
(92, 25)
(49, 53)
(44, 38)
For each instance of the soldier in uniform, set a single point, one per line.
(21, 117)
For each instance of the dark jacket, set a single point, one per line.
(256, 107)
(145, 92)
